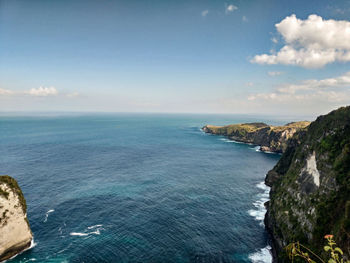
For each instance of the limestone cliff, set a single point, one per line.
(15, 233)
(310, 186)
(270, 138)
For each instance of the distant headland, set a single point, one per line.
(269, 138)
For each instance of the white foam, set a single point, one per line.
(231, 141)
(95, 226)
(259, 205)
(84, 234)
(47, 214)
(32, 244)
(79, 234)
(263, 255)
(269, 152)
(226, 140)
(263, 186)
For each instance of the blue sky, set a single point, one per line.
(171, 56)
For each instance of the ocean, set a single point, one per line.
(137, 188)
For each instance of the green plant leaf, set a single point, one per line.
(338, 250)
(326, 248)
(331, 261)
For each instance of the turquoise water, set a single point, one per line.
(137, 188)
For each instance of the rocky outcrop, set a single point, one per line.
(310, 187)
(270, 138)
(15, 233)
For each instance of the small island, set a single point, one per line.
(269, 138)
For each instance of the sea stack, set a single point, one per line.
(15, 233)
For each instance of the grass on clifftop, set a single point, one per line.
(296, 125)
(245, 128)
(241, 128)
(13, 185)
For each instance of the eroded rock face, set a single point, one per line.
(310, 186)
(269, 138)
(15, 233)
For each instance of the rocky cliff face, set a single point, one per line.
(310, 186)
(270, 138)
(15, 233)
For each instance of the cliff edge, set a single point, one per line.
(15, 233)
(310, 187)
(270, 138)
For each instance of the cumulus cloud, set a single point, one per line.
(231, 8)
(205, 13)
(328, 90)
(43, 91)
(274, 73)
(310, 43)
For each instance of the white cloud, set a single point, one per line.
(249, 84)
(328, 90)
(5, 92)
(310, 43)
(205, 13)
(244, 19)
(43, 91)
(231, 8)
(38, 92)
(73, 95)
(274, 40)
(274, 73)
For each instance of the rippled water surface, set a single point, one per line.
(137, 188)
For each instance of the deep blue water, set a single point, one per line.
(136, 188)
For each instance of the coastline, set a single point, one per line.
(269, 253)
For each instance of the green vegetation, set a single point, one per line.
(3, 218)
(239, 129)
(4, 193)
(296, 125)
(245, 128)
(298, 251)
(13, 185)
(314, 210)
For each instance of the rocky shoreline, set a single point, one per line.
(269, 138)
(310, 184)
(310, 187)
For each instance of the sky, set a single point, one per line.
(240, 56)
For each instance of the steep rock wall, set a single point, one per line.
(310, 186)
(15, 233)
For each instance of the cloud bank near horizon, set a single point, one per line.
(333, 91)
(37, 92)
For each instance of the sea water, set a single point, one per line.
(137, 188)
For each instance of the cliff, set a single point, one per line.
(310, 187)
(270, 138)
(15, 233)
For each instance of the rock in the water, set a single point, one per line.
(15, 233)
